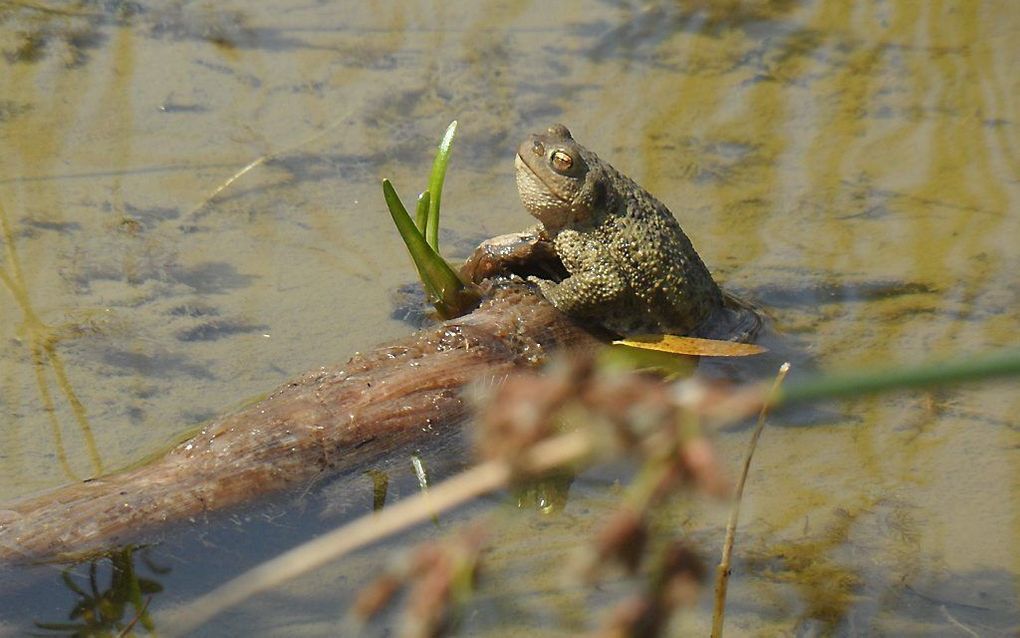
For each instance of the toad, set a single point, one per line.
(630, 267)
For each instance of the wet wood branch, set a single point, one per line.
(325, 421)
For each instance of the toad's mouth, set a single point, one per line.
(535, 192)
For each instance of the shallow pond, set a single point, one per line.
(854, 167)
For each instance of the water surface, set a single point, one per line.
(855, 167)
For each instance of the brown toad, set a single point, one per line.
(631, 268)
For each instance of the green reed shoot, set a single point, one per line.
(446, 291)
(435, 190)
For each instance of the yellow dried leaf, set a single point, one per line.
(691, 346)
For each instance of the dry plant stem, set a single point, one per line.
(956, 623)
(262, 159)
(343, 540)
(723, 570)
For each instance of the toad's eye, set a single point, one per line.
(538, 148)
(561, 161)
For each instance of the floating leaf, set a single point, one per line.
(691, 346)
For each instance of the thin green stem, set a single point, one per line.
(851, 384)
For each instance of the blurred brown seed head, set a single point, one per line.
(635, 616)
(622, 539)
(523, 410)
(373, 598)
(679, 576)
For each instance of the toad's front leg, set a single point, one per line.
(522, 254)
(585, 294)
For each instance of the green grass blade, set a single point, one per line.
(853, 384)
(413, 238)
(421, 216)
(436, 185)
(448, 293)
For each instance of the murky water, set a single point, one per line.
(853, 166)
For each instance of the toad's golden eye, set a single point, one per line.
(538, 148)
(561, 161)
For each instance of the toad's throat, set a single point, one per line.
(538, 196)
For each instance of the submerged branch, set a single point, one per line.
(326, 421)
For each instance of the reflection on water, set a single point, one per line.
(853, 166)
(42, 341)
(114, 609)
